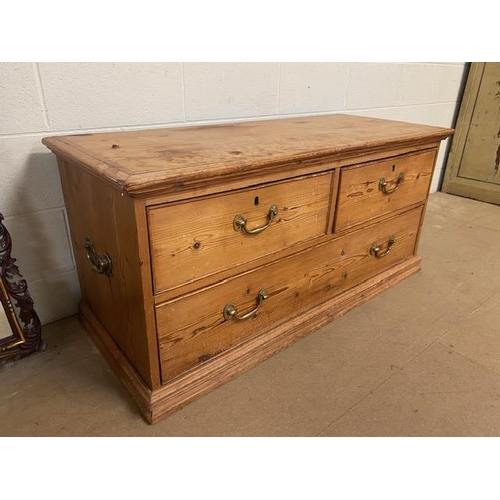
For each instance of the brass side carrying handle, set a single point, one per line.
(100, 263)
(230, 311)
(240, 223)
(375, 248)
(382, 184)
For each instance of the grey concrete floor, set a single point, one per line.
(421, 359)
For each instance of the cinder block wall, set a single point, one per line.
(38, 100)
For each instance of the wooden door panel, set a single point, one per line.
(473, 167)
(481, 156)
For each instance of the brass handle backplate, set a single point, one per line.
(100, 263)
(240, 223)
(375, 248)
(382, 184)
(230, 311)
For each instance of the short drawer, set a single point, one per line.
(381, 187)
(196, 327)
(197, 238)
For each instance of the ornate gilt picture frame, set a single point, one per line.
(22, 335)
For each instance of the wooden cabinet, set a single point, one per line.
(201, 251)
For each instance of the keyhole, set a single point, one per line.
(393, 168)
(256, 201)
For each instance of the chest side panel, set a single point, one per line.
(100, 216)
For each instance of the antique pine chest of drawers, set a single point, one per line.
(203, 250)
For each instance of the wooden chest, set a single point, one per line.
(202, 251)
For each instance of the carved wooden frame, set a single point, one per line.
(26, 335)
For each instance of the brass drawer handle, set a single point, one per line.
(382, 184)
(230, 311)
(240, 223)
(375, 248)
(100, 263)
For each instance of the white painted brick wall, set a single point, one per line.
(214, 91)
(43, 99)
(95, 95)
(312, 88)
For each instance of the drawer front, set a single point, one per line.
(381, 187)
(192, 329)
(195, 239)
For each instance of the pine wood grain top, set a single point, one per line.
(149, 161)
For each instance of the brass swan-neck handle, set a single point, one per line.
(240, 223)
(382, 184)
(231, 312)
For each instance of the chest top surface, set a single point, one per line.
(144, 161)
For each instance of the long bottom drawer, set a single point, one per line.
(196, 327)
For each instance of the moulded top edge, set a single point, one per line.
(138, 161)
